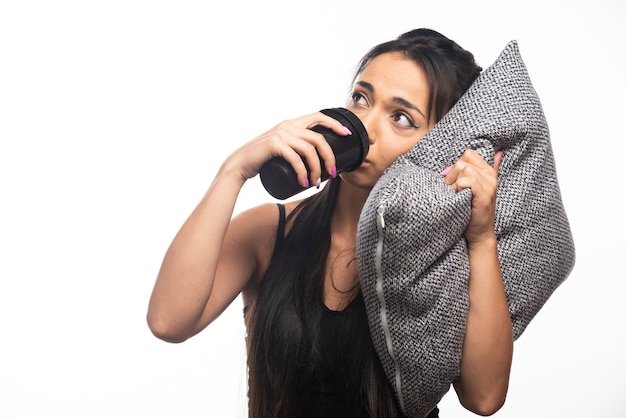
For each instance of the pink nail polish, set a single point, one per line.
(445, 171)
(348, 131)
(333, 171)
(306, 183)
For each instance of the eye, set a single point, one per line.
(403, 120)
(358, 98)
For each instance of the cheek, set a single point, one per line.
(393, 151)
(392, 144)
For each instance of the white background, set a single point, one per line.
(114, 117)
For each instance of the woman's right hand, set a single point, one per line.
(292, 140)
(214, 257)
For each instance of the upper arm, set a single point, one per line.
(245, 254)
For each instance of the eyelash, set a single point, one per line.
(357, 96)
(402, 114)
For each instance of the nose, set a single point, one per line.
(367, 118)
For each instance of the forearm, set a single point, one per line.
(187, 273)
(488, 344)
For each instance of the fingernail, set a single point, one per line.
(306, 183)
(348, 131)
(318, 183)
(445, 171)
(333, 171)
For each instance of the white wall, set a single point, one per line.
(114, 116)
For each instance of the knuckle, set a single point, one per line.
(279, 135)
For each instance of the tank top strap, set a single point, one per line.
(280, 231)
(280, 238)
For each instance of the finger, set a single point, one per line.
(465, 183)
(297, 145)
(294, 158)
(467, 178)
(450, 174)
(324, 120)
(497, 158)
(469, 157)
(326, 153)
(472, 157)
(315, 150)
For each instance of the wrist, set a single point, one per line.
(231, 172)
(486, 240)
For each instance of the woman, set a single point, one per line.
(309, 347)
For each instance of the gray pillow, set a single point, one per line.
(412, 255)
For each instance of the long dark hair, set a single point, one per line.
(283, 322)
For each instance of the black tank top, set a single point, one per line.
(328, 388)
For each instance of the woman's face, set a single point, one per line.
(390, 97)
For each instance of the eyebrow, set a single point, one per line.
(397, 100)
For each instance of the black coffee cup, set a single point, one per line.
(278, 176)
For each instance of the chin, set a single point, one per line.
(359, 179)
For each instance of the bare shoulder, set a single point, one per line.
(251, 236)
(259, 219)
(254, 227)
(254, 231)
(258, 225)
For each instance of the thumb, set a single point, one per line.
(497, 158)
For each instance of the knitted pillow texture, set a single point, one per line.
(412, 256)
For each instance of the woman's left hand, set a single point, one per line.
(471, 171)
(488, 345)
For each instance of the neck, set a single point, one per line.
(350, 201)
